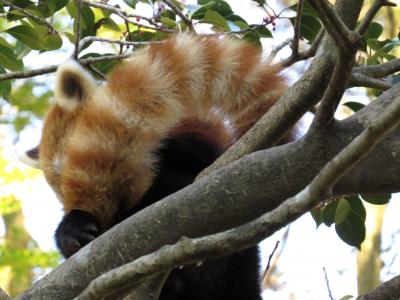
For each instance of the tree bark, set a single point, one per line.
(238, 193)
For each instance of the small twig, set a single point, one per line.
(97, 72)
(336, 87)
(334, 25)
(327, 285)
(184, 18)
(296, 38)
(115, 10)
(78, 31)
(270, 259)
(369, 16)
(188, 251)
(358, 79)
(90, 39)
(30, 15)
(310, 52)
(50, 69)
(126, 17)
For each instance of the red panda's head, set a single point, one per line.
(84, 150)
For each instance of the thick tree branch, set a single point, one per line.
(358, 79)
(336, 88)
(381, 70)
(334, 25)
(232, 196)
(188, 251)
(389, 290)
(302, 95)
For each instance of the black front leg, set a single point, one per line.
(76, 229)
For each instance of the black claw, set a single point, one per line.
(77, 229)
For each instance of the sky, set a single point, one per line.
(307, 251)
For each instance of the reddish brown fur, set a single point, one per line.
(106, 146)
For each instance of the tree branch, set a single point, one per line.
(296, 35)
(334, 25)
(188, 251)
(335, 90)
(389, 290)
(372, 11)
(310, 52)
(50, 69)
(232, 196)
(4, 295)
(30, 15)
(184, 19)
(358, 79)
(78, 31)
(302, 95)
(127, 17)
(381, 70)
(90, 39)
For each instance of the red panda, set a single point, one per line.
(109, 150)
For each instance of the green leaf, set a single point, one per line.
(214, 18)
(374, 31)
(354, 106)
(357, 206)
(110, 24)
(316, 214)
(5, 86)
(197, 12)
(168, 22)
(347, 297)
(351, 230)
(377, 199)
(253, 37)
(21, 50)
(264, 32)
(309, 27)
(342, 211)
(328, 213)
(306, 11)
(9, 60)
(103, 67)
(53, 42)
(56, 5)
(131, 3)
(28, 35)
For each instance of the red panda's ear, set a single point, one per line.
(73, 85)
(31, 157)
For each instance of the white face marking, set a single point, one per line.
(57, 165)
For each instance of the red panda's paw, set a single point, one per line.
(77, 229)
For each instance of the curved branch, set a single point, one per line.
(234, 195)
(381, 70)
(389, 290)
(188, 251)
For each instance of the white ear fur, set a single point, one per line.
(30, 157)
(73, 85)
